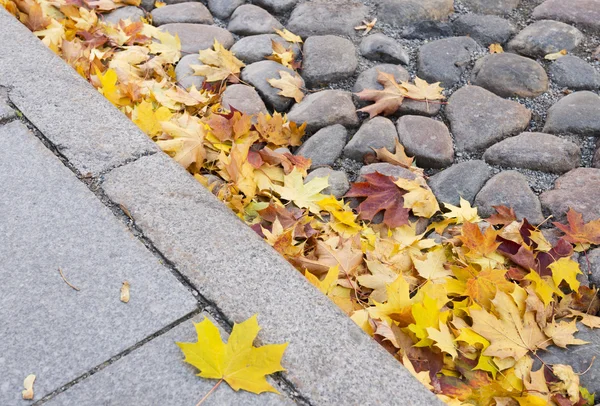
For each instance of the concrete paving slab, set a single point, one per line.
(155, 374)
(49, 219)
(6, 112)
(91, 132)
(329, 359)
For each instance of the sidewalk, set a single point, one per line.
(85, 191)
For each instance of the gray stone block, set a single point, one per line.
(461, 180)
(93, 136)
(6, 112)
(50, 220)
(233, 267)
(155, 374)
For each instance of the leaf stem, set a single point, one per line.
(209, 392)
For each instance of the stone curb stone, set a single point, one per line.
(49, 218)
(43, 87)
(231, 266)
(167, 379)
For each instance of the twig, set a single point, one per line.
(66, 281)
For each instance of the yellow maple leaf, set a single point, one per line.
(496, 49)
(426, 314)
(289, 36)
(53, 35)
(462, 213)
(329, 281)
(569, 381)
(544, 287)
(443, 339)
(108, 87)
(282, 55)
(431, 265)
(303, 195)
(149, 119)
(565, 269)
(169, 47)
(290, 85)
(238, 362)
(420, 199)
(398, 305)
(588, 320)
(186, 143)
(219, 64)
(379, 279)
(562, 332)
(510, 334)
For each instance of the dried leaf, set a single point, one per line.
(367, 26)
(125, 292)
(28, 384)
(496, 49)
(290, 85)
(556, 55)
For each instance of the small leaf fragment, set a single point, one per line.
(556, 55)
(125, 292)
(496, 49)
(28, 384)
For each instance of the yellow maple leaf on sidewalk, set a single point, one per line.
(238, 362)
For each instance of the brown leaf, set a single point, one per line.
(398, 158)
(578, 232)
(382, 194)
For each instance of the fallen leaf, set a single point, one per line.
(496, 49)
(562, 332)
(219, 64)
(125, 292)
(28, 384)
(289, 36)
(238, 362)
(399, 157)
(579, 232)
(569, 381)
(556, 55)
(303, 195)
(367, 26)
(588, 320)
(443, 339)
(290, 85)
(282, 55)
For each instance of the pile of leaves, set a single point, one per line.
(464, 303)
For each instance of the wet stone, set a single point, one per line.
(478, 118)
(536, 151)
(510, 75)
(590, 266)
(323, 17)
(255, 48)
(445, 60)
(511, 189)
(500, 7)
(574, 73)
(325, 108)
(460, 180)
(400, 13)
(328, 58)
(243, 98)
(378, 132)
(545, 37)
(426, 139)
(577, 113)
(196, 37)
(249, 19)
(485, 29)
(325, 146)
(132, 13)
(379, 47)
(223, 8)
(583, 12)
(338, 181)
(427, 30)
(258, 74)
(185, 74)
(578, 189)
(192, 12)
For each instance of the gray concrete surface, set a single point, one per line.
(62, 105)
(49, 219)
(167, 381)
(329, 359)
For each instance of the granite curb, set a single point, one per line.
(329, 359)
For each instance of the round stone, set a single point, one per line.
(500, 7)
(191, 12)
(252, 20)
(185, 74)
(445, 60)
(368, 78)
(325, 108)
(386, 169)
(255, 48)
(536, 151)
(583, 12)
(379, 47)
(578, 189)
(258, 74)
(338, 181)
(132, 13)
(323, 17)
(399, 13)
(328, 58)
(577, 113)
(196, 37)
(478, 118)
(378, 132)
(427, 30)
(426, 139)
(485, 29)
(511, 189)
(510, 75)
(545, 37)
(325, 146)
(460, 180)
(243, 98)
(574, 73)
(276, 6)
(223, 8)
